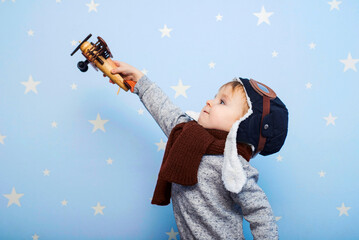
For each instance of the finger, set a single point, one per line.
(128, 78)
(118, 63)
(110, 81)
(118, 70)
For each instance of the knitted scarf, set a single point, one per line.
(186, 145)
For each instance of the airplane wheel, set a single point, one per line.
(82, 66)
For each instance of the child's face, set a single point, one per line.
(221, 112)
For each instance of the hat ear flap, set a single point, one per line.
(233, 175)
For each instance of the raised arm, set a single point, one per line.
(255, 207)
(165, 113)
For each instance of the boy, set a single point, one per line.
(205, 169)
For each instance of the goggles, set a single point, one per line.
(262, 89)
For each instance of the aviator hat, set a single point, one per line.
(264, 127)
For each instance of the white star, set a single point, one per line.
(274, 53)
(330, 119)
(13, 197)
(308, 85)
(2, 139)
(334, 4)
(343, 210)
(92, 6)
(30, 85)
(279, 158)
(98, 123)
(54, 124)
(58, 1)
(73, 86)
(165, 31)
(109, 161)
(74, 43)
(321, 173)
(64, 203)
(349, 63)
(46, 172)
(211, 65)
(35, 237)
(161, 145)
(98, 209)
(219, 17)
(263, 16)
(140, 111)
(30, 33)
(278, 218)
(180, 89)
(144, 71)
(312, 45)
(172, 234)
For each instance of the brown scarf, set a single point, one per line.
(186, 145)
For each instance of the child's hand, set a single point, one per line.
(128, 72)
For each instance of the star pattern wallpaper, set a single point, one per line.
(79, 161)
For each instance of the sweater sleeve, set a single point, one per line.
(165, 113)
(255, 207)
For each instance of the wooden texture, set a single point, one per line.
(106, 67)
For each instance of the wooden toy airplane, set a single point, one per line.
(99, 56)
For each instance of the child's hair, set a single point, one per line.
(237, 87)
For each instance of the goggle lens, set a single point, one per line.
(262, 89)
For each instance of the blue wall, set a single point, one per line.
(50, 153)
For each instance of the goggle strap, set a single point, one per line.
(266, 110)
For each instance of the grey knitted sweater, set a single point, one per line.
(207, 210)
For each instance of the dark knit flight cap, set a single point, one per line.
(274, 126)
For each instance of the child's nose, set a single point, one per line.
(209, 103)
